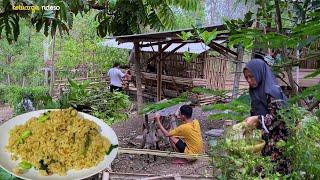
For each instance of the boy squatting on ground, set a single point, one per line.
(189, 131)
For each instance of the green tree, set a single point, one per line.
(22, 60)
(114, 17)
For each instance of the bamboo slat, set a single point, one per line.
(162, 153)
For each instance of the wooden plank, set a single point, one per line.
(173, 176)
(162, 153)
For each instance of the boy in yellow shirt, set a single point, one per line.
(189, 131)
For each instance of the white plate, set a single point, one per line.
(7, 164)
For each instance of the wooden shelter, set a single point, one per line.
(170, 72)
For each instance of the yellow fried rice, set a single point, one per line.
(62, 142)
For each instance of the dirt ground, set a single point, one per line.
(127, 132)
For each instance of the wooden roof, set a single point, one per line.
(168, 35)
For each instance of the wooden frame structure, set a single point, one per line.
(163, 40)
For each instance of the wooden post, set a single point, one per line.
(138, 76)
(159, 73)
(238, 72)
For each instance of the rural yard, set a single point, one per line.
(159, 89)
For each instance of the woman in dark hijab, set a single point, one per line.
(262, 84)
(266, 98)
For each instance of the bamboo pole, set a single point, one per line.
(162, 153)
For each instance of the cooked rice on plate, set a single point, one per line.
(56, 142)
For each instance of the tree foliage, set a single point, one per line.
(115, 17)
(21, 61)
(295, 37)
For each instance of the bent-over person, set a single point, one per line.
(186, 138)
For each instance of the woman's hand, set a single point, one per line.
(252, 121)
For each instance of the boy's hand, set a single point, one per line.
(157, 118)
(252, 121)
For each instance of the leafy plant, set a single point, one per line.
(162, 105)
(231, 162)
(185, 36)
(78, 92)
(313, 91)
(237, 109)
(216, 92)
(207, 36)
(188, 57)
(302, 145)
(110, 107)
(38, 95)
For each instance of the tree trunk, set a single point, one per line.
(52, 67)
(278, 16)
(291, 80)
(46, 44)
(138, 74)
(238, 72)
(288, 68)
(254, 49)
(23, 81)
(8, 79)
(30, 34)
(8, 63)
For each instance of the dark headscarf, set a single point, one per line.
(266, 85)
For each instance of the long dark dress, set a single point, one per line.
(274, 130)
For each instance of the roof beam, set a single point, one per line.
(154, 43)
(221, 50)
(159, 52)
(174, 50)
(153, 39)
(170, 41)
(170, 53)
(224, 48)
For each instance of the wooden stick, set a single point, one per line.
(163, 177)
(120, 175)
(162, 153)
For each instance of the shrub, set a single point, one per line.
(14, 94)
